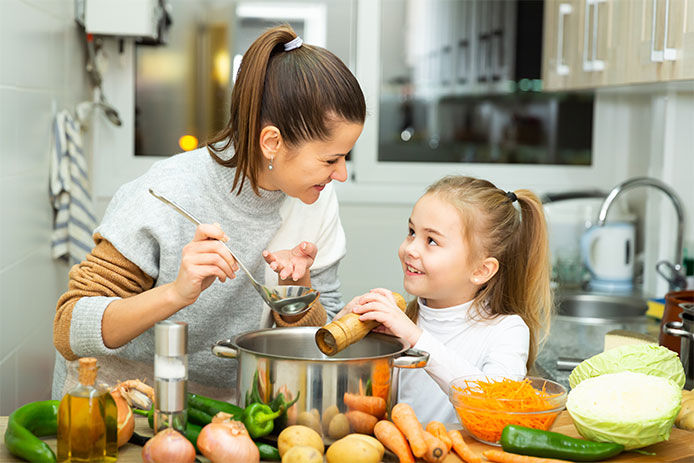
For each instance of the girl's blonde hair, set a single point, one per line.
(517, 238)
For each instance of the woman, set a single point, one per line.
(296, 111)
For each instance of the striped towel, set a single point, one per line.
(74, 220)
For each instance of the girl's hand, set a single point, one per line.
(379, 304)
(202, 261)
(292, 265)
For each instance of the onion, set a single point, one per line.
(126, 419)
(168, 446)
(227, 442)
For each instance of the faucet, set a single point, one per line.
(676, 280)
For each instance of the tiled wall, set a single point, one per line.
(41, 71)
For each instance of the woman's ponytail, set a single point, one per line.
(243, 129)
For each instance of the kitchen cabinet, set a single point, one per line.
(461, 47)
(594, 43)
(662, 37)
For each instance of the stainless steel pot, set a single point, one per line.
(287, 360)
(685, 330)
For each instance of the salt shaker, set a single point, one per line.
(170, 375)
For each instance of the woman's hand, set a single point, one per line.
(202, 261)
(292, 265)
(379, 304)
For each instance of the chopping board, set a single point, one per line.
(678, 449)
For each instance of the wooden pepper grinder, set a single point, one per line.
(338, 334)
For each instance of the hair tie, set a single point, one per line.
(512, 196)
(294, 43)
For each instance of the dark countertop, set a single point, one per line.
(571, 338)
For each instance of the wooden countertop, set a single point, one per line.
(679, 449)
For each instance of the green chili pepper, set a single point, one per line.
(198, 416)
(24, 427)
(259, 419)
(212, 406)
(547, 444)
(268, 452)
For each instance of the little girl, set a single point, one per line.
(477, 259)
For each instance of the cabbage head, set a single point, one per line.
(639, 358)
(632, 409)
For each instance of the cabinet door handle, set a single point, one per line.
(666, 54)
(669, 54)
(593, 64)
(565, 9)
(597, 64)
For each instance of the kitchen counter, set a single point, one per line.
(572, 338)
(679, 449)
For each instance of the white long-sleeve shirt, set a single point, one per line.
(459, 345)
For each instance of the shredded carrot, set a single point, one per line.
(483, 406)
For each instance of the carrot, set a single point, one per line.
(394, 439)
(439, 430)
(375, 406)
(361, 422)
(499, 456)
(461, 447)
(380, 379)
(483, 406)
(405, 419)
(436, 451)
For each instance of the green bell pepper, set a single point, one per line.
(259, 419)
(548, 444)
(24, 427)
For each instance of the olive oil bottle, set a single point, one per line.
(87, 420)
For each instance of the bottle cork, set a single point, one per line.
(338, 334)
(87, 371)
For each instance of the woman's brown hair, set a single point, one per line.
(301, 92)
(517, 238)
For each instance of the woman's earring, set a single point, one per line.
(270, 166)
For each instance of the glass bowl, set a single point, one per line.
(485, 404)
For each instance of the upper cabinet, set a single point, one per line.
(592, 43)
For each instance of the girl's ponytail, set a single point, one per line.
(532, 291)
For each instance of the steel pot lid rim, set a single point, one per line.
(312, 329)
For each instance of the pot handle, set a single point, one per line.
(675, 329)
(225, 349)
(412, 358)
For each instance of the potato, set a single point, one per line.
(302, 454)
(369, 440)
(328, 415)
(296, 436)
(339, 426)
(352, 450)
(687, 422)
(309, 419)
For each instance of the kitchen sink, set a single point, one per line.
(600, 308)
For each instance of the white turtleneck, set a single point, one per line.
(459, 345)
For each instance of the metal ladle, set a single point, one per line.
(283, 299)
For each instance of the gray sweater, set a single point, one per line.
(151, 235)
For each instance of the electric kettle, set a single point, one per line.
(608, 255)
